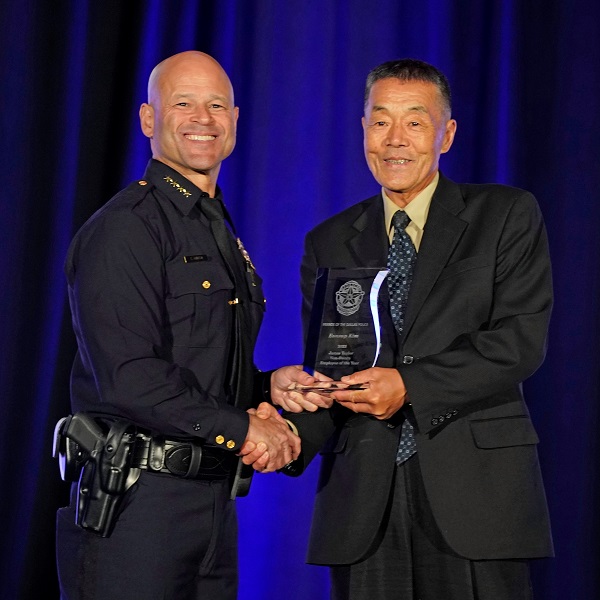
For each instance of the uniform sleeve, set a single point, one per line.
(115, 271)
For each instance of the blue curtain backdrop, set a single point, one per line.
(526, 82)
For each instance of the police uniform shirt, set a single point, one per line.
(151, 300)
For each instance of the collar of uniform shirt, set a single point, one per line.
(417, 209)
(180, 191)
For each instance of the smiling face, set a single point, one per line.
(406, 128)
(190, 117)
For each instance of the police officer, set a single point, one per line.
(166, 307)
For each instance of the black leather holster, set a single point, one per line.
(99, 458)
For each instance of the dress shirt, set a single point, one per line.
(417, 209)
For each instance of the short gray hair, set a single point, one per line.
(410, 69)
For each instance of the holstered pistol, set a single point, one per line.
(101, 464)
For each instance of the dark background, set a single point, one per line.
(526, 84)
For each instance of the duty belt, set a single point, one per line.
(186, 459)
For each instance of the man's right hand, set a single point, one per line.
(270, 444)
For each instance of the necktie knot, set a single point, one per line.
(212, 208)
(400, 219)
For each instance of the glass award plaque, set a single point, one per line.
(344, 331)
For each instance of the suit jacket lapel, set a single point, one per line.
(443, 230)
(368, 243)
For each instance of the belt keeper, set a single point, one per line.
(156, 453)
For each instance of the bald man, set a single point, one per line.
(166, 308)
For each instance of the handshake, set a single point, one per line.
(270, 443)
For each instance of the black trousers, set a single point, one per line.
(176, 539)
(411, 561)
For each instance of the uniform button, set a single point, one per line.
(230, 444)
(206, 284)
(219, 439)
(408, 359)
(448, 415)
(434, 421)
(142, 182)
(197, 427)
(441, 418)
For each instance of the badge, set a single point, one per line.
(245, 254)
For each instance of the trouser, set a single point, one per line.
(411, 561)
(175, 539)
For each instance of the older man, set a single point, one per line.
(166, 307)
(431, 472)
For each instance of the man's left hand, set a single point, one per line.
(384, 395)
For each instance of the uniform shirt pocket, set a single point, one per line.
(197, 302)
(255, 289)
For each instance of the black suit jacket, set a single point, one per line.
(475, 328)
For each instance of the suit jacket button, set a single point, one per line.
(449, 415)
(408, 359)
(441, 418)
(454, 412)
(197, 427)
(434, 421)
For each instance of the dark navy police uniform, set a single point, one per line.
(154, 308)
